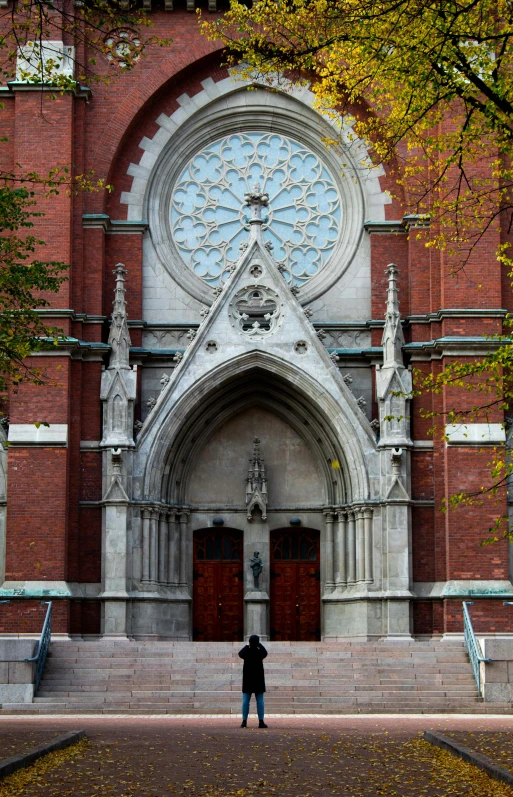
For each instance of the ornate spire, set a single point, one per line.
(119, 337)
(256, 482)
(255, 201)
(393, 338)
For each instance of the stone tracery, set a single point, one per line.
(209, 217)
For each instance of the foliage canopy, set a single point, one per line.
(429, 87)
(416, 64)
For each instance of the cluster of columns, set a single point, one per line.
(164, 546)
(348, 546)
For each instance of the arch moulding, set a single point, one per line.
(351, 441)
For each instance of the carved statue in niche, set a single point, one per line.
(257, 566)
(256, 484)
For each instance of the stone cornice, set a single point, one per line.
(462, 312)
(462, 589)
(84, 318)
(398, 226)
(93, 221)
(452, 346)
(14, 86)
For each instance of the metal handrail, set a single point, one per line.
(473, 646)
(44, 644)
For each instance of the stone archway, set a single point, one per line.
(194, 465)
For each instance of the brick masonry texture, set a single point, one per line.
(51, 534)
(27, 617)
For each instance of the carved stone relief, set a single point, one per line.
(345, 338)
(256, 311)
(165, 338)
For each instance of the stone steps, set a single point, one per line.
(106, 676)
(276, 698)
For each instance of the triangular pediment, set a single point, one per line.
(392, 380)
(118, 381)
(116, 492)
(397, 491)
(257, 311)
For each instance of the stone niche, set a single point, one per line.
(218, 475)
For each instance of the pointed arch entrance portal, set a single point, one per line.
(295, 585)
(217, 585)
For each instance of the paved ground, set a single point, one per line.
(15, 740)
(361, 756)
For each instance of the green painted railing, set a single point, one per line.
(473, 646)
(44, 644)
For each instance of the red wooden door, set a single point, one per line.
(218, 582)
(295, 585)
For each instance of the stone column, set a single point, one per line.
(368, 575)
(360, 544)
(163, 546)
(183, 520)
(154, 520)
(173, 568)
(351, 548)
(330, 580)
(340, 550)
(146, 515)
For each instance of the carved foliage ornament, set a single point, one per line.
(256, 311)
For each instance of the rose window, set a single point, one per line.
(123, 47)
(209, 218)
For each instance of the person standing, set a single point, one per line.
(253, 679)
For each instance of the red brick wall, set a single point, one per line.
(85, 617)
(27, 617)
(488, 616)
(37, 515)
(423, 543)
(43, 139)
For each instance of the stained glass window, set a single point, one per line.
(209, 219)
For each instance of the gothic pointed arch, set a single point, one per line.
(335, 430)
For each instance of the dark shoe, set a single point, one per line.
(261, 724)
(243, 724)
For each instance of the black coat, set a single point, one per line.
(253, 679)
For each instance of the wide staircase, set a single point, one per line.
(121, 677)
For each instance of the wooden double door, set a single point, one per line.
(218, 586)
(295, 585)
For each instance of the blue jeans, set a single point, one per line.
(246, 697)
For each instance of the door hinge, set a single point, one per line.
(196, 574)
(316, 575)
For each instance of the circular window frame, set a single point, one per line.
(253, 111)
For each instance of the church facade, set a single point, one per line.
(226, 441)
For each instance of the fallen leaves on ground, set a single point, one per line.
(496, 745)
(40, 772)
(251, 763)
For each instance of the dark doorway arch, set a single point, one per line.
(218, 585)
(295, 585)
